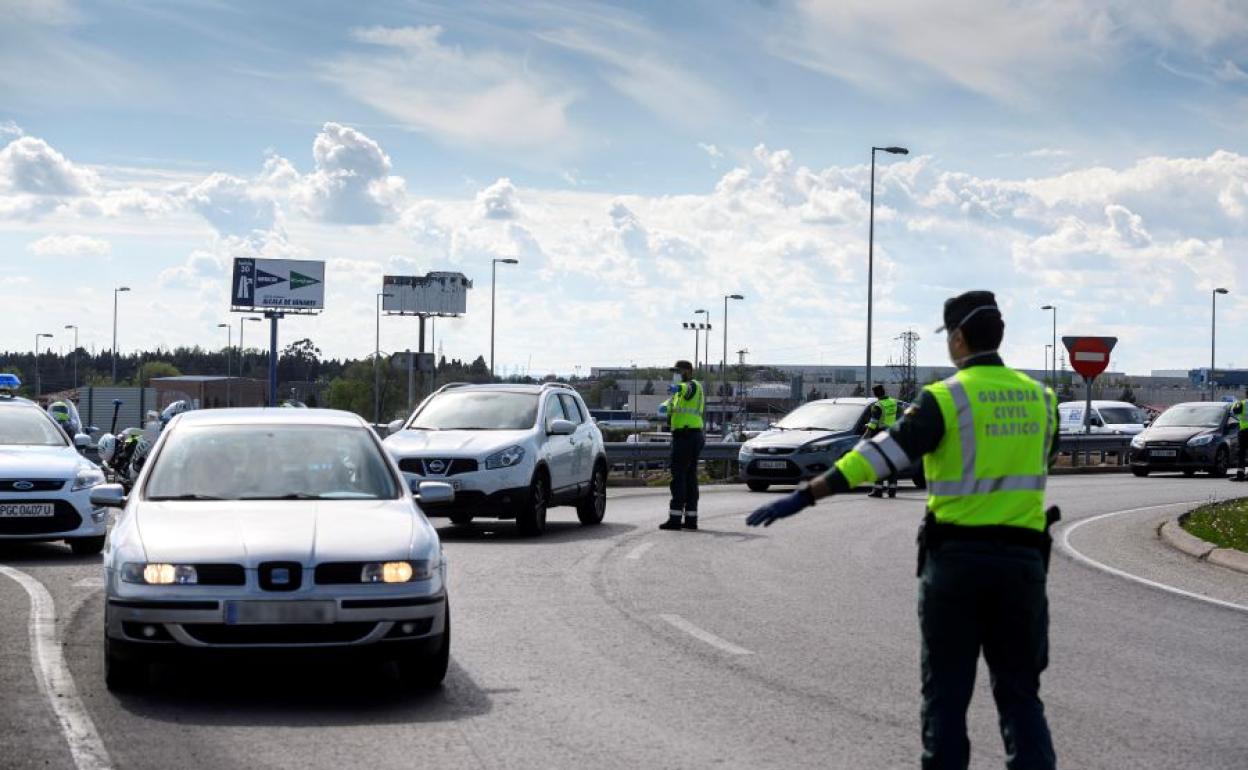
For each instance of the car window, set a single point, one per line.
(1121, 415)
(572, 409)
(477, 410)
(554, 411)
(817, 416)
(1192, 416)
(271, 462)
(29, 427)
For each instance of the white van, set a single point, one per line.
(1107, 417)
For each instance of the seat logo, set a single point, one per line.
(23, 486)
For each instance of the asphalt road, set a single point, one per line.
(623, 646)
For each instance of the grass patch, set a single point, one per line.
(1223, 524)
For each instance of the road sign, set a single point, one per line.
(422, 362)
(444, 294)
(277, 284)
(1089, 355)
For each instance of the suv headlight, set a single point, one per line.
(398, 571)
(157, 574)
(1201, 440)
(87, 478)
(508, 457)
(1137, 442)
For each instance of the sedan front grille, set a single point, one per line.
(31, 485)
(437, 466)
(279, 633)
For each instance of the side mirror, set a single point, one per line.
(108, 496)
(561, 428)
(82, 441)
(435, 493)
(92, 429)
(394, 427)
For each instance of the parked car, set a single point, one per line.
(1120, 417)
(273, 531)
(510, 451)
(45, 484)
(1190, 437)
(808, 441)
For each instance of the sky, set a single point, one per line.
(640, 160)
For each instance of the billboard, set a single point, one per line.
(432, 294)
(277, 284)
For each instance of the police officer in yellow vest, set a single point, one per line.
(882, 415)
(987, 436)
(684, 410)
(1239, 410)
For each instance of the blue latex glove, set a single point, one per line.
(673, 388)
(785, 506)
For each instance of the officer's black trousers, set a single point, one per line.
(989, 597)
(1243, 448)
(686, 447)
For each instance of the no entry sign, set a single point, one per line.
(1089, 355)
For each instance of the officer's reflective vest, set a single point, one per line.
(686, 412)
(1242, 414)
(888, 414)
(991, 464)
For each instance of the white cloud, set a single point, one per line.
(232, 205)
(352, 183)
(70, 246)
(31, 165)
(498, 201)
(10, 128)
(478, 98)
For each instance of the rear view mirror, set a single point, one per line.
(561, 428)
(108, 496)
(82, 441)
(435, 493)
(394, 427)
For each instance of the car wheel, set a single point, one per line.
(461, 519)
(1141, 472)
(919, 479)
(758, 486)
(123, 674)
(593, 507)
(426, 672)
(1189, 472)
(1220, 462)
(531, 519)
(86, 546)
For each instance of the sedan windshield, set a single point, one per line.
(816, 416)
(1192, 416)
(1122, 415)
(271, 462)
(28, 427)
(478, 410)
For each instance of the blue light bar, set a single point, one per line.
(10, 382)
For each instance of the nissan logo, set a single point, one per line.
(23, 486)
(437, 466)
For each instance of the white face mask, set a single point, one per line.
(676, 378)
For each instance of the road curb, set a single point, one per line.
(1172, 533)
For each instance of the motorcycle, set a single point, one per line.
(124, 455)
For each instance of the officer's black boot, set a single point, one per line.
(673, 520)
(892, 490)
(691, 520)
(876, 492)
(1239, 475)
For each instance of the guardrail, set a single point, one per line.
(1086, 445)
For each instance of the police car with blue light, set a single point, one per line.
(45, 484)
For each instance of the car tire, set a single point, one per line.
(919, 478)
(593, 507)
(1189, 472)
(1140, 472)
(1220, 462)
(86, 546)
(531, 518)
(758, 486)
(461, 519)
(123, 674)
(426, 672)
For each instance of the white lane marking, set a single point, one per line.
(1064, 543)
(639, 551)
(54, 678)
(706, 636)
(92, 582)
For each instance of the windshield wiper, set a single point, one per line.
(188, 496)
(287, 496)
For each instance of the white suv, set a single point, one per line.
(510, 452)
(45, 484)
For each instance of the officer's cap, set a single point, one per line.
(959, 309)
(682, 365)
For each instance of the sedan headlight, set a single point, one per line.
(1137, 442)
(398, 571)
(747, 449)
(1201, 440)
(157, 574)
(508, 457)
(87, 478)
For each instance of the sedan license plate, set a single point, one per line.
(245, 612)
(26, 510)
(773, 464)
(1163, 453)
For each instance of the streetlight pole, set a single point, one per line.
(723, 363)
(1213, 340)
(1047, 351)
(116, 291)
(706, 355)
(493, 281)
(1053, 380)
(871, 253)
(38, 336)
(241, 348)
(229, 343)
(75, 328)
(377, 358)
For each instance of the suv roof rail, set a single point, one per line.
(558, 385)
(450, 385)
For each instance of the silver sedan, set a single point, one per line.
(277, 532)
